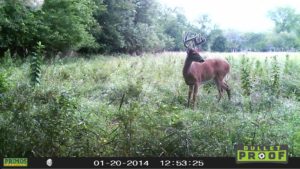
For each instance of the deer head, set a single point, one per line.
(192, 52)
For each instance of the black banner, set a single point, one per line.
(115, 162)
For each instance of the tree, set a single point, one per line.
(287, 23)
(255, 42)
(59, 25)
(116, 23)
(219, 44)
(216, 32)
(174, 24)
(146, 33)
(234, 40)
(67, 24)
(205, 24)
(285, 19)
(19, 27)
(205, 27)
(131, 26)
(285, 42)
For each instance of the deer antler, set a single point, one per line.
(199, 40)
(196, 39)
(186, 40)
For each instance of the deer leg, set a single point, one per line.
(220, 89)
(196, 87)
(226, 87)
(191, 88)
(220, 93)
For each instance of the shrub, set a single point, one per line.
(35, 65)
(297, 144)
(7, 59)
(275, 85)
(245, 76)
(290, 88)
(40, 123)
(4, 84)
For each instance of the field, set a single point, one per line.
(136, 106)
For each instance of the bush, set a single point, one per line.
(35, 64)
(297, 144)
(275, 75)
(7, 59)
(40, 123)
(4, 84)
(290, 88)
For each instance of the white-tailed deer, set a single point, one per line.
(196, 70)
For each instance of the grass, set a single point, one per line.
(136, 106)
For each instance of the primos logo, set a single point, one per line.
(15, 162)
(266, 154)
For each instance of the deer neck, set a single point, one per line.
(187, 66)
(188, 63)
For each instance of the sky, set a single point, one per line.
(34, 3)
(240, 15)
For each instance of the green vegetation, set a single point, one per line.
(59, 25)
(35, 65)
(132, 27)
(136, 106)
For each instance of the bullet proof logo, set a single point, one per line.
(265, 154)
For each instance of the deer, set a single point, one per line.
(196, 70)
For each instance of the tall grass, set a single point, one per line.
(136, 106)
